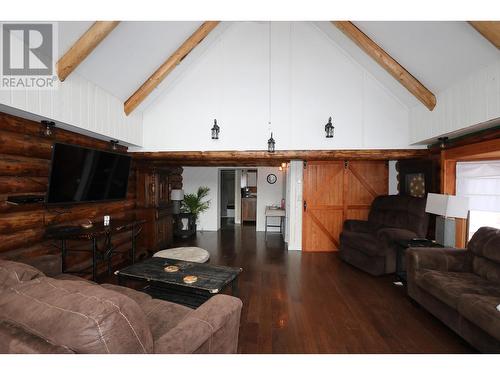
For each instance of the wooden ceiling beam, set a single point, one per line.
(83, 47)
(164, 70)
(404, 77)
(253, 158)
(489, 29)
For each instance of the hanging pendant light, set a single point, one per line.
(271, 143)
(329, 128)
(215, 130)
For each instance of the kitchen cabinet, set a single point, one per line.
(248, 209)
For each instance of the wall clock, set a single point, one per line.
(271, 178)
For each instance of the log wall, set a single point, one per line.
(24, 169)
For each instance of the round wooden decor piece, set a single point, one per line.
(190, 279)
(271, 178)
(171, 269)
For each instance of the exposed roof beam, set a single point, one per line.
(388, 63)
(489, 29)
(84, 47)
(231, 158)
(164, 70)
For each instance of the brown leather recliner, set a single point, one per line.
(461, 287)
(369, 245)
(67, 314)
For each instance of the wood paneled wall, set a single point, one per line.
(24, 169)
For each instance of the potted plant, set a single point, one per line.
(191, 207)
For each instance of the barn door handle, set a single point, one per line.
(305, 205)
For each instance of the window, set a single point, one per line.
(480, 181)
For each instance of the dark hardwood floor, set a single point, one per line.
(296, 302)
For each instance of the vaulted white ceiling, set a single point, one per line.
(438, 53)
(129, 54)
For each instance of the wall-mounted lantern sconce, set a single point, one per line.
(215, 130)
(48, 127)
(271, 144)
(114, 144)
(443, 141)
(329, 128)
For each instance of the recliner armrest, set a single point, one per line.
(389, 235)
(215, 323)
(357, 226)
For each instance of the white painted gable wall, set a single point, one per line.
(473, 100)
(78, 105)
(312, 78)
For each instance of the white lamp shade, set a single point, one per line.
(447, 205)
(177, 194)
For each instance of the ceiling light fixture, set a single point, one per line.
(114, 144)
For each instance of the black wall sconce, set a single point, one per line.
(329, 128)
(271, 144)
(114, 144)
(215, 130)
(443, 141)
(48, 127)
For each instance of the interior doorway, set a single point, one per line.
(227, 207)
(237, 197)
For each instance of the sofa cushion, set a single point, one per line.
(482, 311)
(486, 243)
(139, 297)
(367, 243)
(13, 273)
(71, 277)
(486, 269)
(397, 211)
(83, 317)
(449, 286)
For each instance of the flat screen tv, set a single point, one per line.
(80, 174)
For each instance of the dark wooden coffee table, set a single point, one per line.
(212, 279)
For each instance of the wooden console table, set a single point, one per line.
(77, 233)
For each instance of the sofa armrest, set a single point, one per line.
(389, 235)
(211, 328)
(439, 259)
(425, 258)
(357, 226)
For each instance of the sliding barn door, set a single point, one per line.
(334, 192)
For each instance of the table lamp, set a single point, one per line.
(176, 196)
(447, 207)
